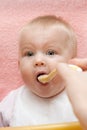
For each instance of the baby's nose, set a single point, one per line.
(39, 63)
(39, 60)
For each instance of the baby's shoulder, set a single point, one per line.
(9, 99)
(7, 106)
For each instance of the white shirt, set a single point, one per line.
(23, 108)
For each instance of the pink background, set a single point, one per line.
(15, 13)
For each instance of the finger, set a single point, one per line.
(79, 62)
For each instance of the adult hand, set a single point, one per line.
(76, 87)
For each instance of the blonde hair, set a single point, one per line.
(51, 20)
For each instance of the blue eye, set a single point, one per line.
(51, 52)
(29, 53)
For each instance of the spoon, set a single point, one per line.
(48, 77)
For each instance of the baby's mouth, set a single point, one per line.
(40, 74)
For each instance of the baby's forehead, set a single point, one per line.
(40, 28)
(44, 32)
(56, 37)
(39, 34)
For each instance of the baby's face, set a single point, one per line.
(40, 52)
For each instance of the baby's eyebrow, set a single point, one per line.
(53, 47)
(24, 48)
(27, 47)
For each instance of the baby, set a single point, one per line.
(44, 42)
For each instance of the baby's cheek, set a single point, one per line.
(24, 69)
(24, 64)
(61, 58)
(26, 75)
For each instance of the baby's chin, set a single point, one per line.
(48, 95)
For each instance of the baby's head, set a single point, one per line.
(44, 42)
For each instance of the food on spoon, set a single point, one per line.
(46, 78)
